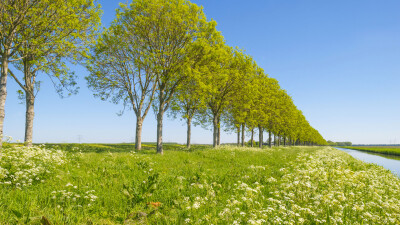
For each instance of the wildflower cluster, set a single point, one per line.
(73, 197)
(318, 187)
(23, 166)
(307, 185)
(329, 186)
(245, 204)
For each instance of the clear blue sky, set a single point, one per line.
(339, 60)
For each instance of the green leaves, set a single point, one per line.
(139, 191)
(51, 33)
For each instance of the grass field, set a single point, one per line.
(229, 185)
(388, 150)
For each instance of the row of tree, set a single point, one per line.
(160, 54)
(167, 55)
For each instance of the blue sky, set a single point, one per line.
(339, 60)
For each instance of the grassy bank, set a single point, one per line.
(202, 186)
(377, 149)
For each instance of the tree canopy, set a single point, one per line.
(159, 54)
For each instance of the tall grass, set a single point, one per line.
(228, 185)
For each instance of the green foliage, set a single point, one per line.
(140, 190)
(51, 33)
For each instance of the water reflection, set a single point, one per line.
(391, 163)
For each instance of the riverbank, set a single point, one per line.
(202, 186)
(380, 150)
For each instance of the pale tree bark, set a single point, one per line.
(238, 136)
(3, 92)
(29, 115)
(159, 131)
(138, 138)
(139, 116)
(260, 137)
(243, 128)
(164, 100)
(29, 89)
(215, 132)
(269, 139)
(189, 131)
(138, 106)
(219, 133)
(252, 137)
(164, 96)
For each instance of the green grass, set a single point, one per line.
(388, 150)
(202, 186)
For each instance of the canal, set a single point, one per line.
(391, 163)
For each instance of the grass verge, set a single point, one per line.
(380, 150)
(228, 185)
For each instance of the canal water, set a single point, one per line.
(391, 163)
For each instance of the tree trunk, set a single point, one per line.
(238, 136)
(29, 115)
(275, 142)
(159, 130)
(270, 139)
(189, 132)
(138, 138)
(260, 137)
(279, 140)
(219, 133)
(252, 137)
(284, 141)
(243, 127)
(215, 133)
(3, 92)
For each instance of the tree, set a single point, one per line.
(119, 69)
(242, 101)
(64, 34)
(187, 103)
(191, 95)
(260, 113)
(13, 15)
(171, 32)
(222, 81)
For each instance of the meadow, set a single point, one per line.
(387, 150)
(110, 184)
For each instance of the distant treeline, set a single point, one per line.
(346, 143)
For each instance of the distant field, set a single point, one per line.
(389, 150)
(379, 146)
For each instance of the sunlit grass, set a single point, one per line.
(377, 149)
(202, 186)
